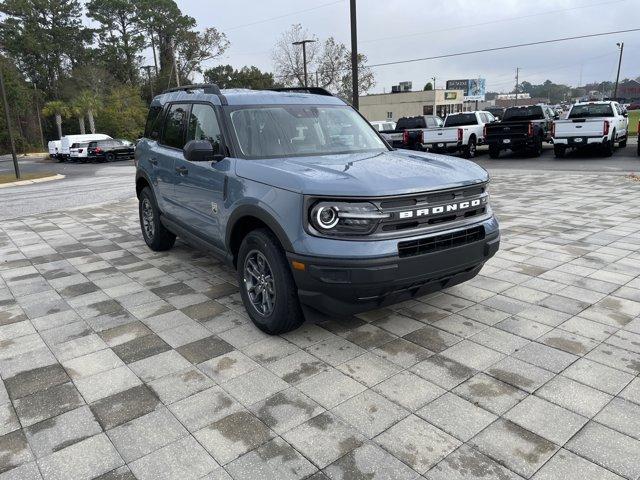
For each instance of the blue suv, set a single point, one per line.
(297, 192)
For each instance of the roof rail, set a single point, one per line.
(312, 90)
(209, 88)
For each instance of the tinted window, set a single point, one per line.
(592, 110)
(152, 127)
(203, 125)
(533, 112)
(411, 122)
(173, 134)
(461, 119)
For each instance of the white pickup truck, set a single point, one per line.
(591, 124)
(462, 132)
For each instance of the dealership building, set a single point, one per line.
(392, 106)
(402, 102)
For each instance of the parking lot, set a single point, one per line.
(117, 362)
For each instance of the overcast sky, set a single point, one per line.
(390, 30)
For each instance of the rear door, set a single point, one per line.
(166, 152)
(199, 186)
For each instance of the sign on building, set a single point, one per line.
(473, 88)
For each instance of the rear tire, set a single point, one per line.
(282, 312)
(494, 152)
(536, 151)
(469, 150)
(110, 157)
(156, 236)
(607, 147)
(559, 151)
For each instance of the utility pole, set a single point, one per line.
(615, 92)
(517, 83)
(354, 56)
(304, 58)
(148, 70)
(35, 89)
(7, 117)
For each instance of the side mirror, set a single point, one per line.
(625, 114)
(201, 151)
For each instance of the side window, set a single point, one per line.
(152, 127)
(203, 125)
(173, 134)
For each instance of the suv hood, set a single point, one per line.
(363, 174)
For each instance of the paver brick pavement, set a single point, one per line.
(118, 362)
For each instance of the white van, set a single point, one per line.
(68, 140)
(54, 148)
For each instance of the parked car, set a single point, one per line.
(497, 112)
(462, 132)
(383, 125)
(54, 149)
(634, 106)
(79, 152)
(591, 124)
(298, 193)
(408, 132)
(522, 129)
(110, 150)
(68, 140)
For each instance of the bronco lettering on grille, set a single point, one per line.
(447, 208)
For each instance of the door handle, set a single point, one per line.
(182, 170)
(153, 162)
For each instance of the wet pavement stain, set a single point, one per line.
(473, 464)
(306, 369)
(280, 399)
(512, 378)
(490, 390)
(539, 445)
(567, 345)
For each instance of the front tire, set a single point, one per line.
(156, 236)
(559, 151)
(267, 288)
(623, 143)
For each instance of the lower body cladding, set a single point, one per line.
(420, 266)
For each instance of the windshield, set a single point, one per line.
(296, 130)
(460, 119)
(523, 113)
(594, 110)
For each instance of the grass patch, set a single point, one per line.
(10, 177)
(634, 118)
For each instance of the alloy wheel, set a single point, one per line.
(259, 283)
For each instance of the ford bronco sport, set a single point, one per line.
(302, 197)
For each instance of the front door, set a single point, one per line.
(199, 186)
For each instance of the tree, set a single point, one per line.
(288, 58)
(77, 112)
(45, 37)
(428, 86)
(88, 103)
(329, 63)
(57, 109)
(194, 48)
(124, 113)
(225, 76)
(119, 37)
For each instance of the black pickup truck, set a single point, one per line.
(522, 129)
(408, 132)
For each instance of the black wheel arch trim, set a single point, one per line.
(262, 215)
(140, 174)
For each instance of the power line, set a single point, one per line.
(317, 7)
(505, 47)
(489, 22)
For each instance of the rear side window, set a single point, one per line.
(173, 133)
(152, 127)
(203, 125)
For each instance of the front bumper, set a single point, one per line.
(347, 286)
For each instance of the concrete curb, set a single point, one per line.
(35, 180)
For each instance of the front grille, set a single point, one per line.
(440, 242)
(415, 212)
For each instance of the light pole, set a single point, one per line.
(304, 57)
(615, 92)
(355, 101)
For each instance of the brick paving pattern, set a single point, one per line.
(120, 363)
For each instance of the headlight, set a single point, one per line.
(345, 218)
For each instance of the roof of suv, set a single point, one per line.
(241, 96)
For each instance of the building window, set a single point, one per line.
(389, 115)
